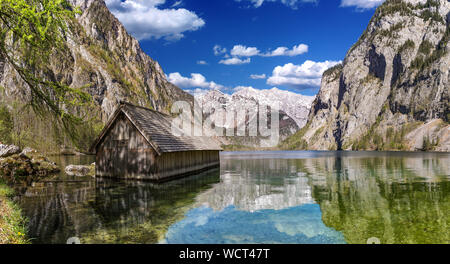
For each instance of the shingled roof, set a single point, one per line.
(156, 128)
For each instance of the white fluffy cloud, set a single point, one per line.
(291, 3)
(361, 4)
(218, 50)
(258, 76)
(202, 62)
(144, 20)
(234, 61)
(243, 51)
(307, 75)
(283, 51)
(196, 81)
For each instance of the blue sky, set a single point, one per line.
(230, 44)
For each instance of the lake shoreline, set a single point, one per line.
(234, 148)
(18, 168)
(12, 222)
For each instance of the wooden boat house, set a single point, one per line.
(137, 143)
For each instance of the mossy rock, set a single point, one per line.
(21, 168)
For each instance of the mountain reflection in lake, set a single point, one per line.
(257, 197)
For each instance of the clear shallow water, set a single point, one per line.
(256, 197)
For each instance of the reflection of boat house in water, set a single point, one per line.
(137, 143)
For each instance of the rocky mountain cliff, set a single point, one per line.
(392, 90)
(103, 57)
(294, 109)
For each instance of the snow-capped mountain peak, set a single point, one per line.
(295, 105)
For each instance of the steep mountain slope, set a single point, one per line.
(392, 90)
(105, 59)
(294, 109)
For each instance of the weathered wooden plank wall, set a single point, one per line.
(177, 163)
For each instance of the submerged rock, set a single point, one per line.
(8, 150)
(80, 170)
